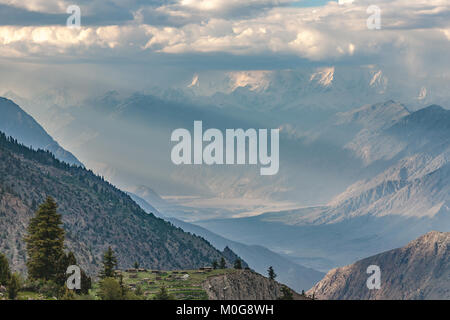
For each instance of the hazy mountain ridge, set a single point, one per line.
(17, 123)
(417, 179)
(407, 196)
(420, 270)
(309, 88)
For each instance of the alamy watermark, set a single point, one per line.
(74, 280)
(374, 281)
(231, 151)
(74, 20)
(374, 20)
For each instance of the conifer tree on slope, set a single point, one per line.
(271, 273)
(5, 272)
(45, 247)
(109, 264)
(45, 242)
(13, 286)
(222, 263)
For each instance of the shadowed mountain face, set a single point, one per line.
(420, 270)
(17, 123)
(95, 215)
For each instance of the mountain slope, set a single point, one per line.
(95, 215)
(17, 123)
(259, 258)
(420, 270)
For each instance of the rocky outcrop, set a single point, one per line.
(244, 285)
(420, 270)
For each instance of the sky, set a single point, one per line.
(133, 44)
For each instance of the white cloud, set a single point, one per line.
(321, 33)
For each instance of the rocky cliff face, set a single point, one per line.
(420, 270)
(244, 285)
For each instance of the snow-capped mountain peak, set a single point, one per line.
(323, 76)
(257, 80)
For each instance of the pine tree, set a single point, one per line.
(109, 264)
(271, 273)
(5, 272)
(64, 262)
(136, 265)
(13, 286)
(45, 242)
(222, 264)
(238, 264)
(86, 283)
(215, 264)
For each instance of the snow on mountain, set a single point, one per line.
(323, 76)
(255, 80)
(330, 87)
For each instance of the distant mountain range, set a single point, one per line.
(420, 270)
(312, 89)
(405, 191)
(299, 102)
(17, 123)
(384, 166)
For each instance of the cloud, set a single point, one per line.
(331, 32)
(54, 12)
(44, 6)
(225, 7)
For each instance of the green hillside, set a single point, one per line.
(180, 284)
